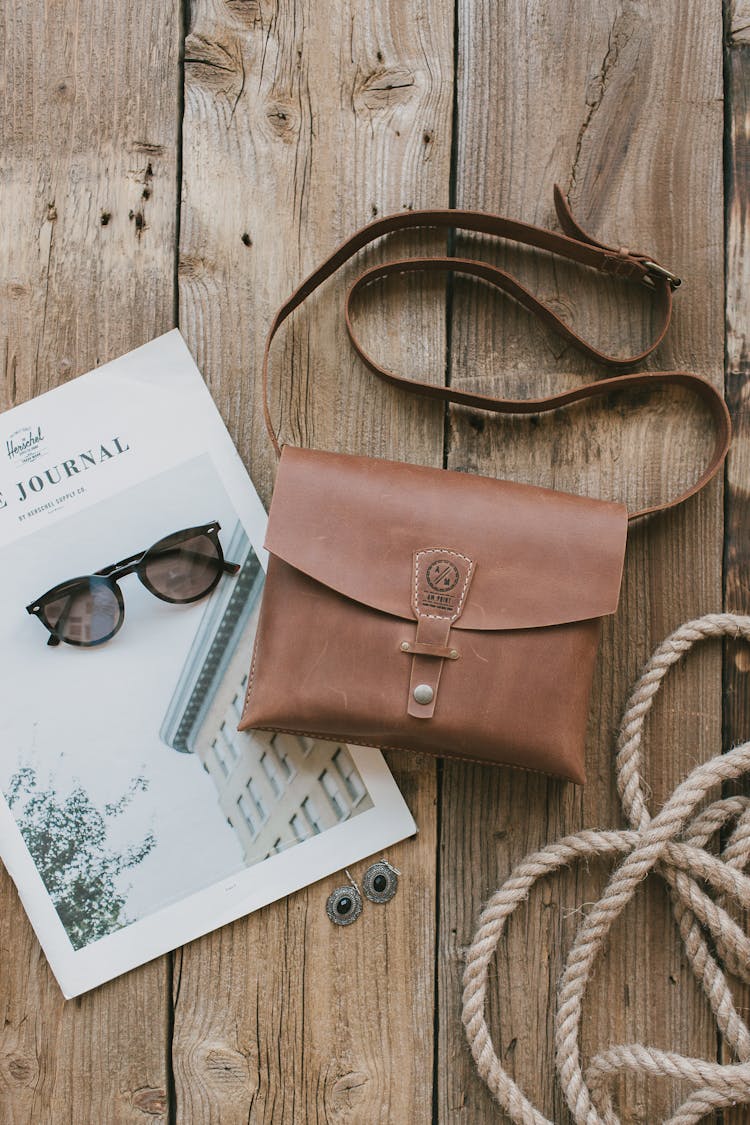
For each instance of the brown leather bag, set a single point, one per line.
(421, 609)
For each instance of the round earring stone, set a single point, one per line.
(344, 905)
(380, 882)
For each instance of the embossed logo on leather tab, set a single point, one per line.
(442, 576)
(441, 582)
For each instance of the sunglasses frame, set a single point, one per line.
(135, 564)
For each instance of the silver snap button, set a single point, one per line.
(423, 693)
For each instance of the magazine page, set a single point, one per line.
(135, 816)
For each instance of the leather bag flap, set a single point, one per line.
(354, 524)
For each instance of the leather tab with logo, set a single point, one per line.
(442, 578)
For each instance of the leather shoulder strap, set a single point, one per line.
(576, 245)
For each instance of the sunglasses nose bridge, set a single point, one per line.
(123, 567)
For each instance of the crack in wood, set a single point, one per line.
(615, 41)
(51, 219)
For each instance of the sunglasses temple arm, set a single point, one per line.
(62, 621)
(226, 566)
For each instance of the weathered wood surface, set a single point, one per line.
(737, 530)
(597, 96)
(291, 123)
(738, 22)
(88, 150)
(302, 122)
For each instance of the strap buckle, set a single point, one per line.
(659, 271)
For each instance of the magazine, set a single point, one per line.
(134, 816)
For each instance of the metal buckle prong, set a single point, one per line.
(660, 271)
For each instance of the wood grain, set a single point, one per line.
(738, 22)
(302, 123)
(89, 144)
(737, 549)
(599, 97)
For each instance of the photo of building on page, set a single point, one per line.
(139, 789)
(134, 815)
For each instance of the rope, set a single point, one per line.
(673, 845)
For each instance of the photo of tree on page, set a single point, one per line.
(67, 838)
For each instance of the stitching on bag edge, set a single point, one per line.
(441, 616)
(250, 679)
(410, 750)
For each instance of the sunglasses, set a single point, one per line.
(183, 567)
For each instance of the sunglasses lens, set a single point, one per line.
(182, 570)
(86, 614)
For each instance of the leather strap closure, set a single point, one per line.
(424, 680)
(425, 649)
(441, 578)
(575, 245)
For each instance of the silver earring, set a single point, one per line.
(344, 905)
(380, 882)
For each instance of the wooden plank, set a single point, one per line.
(89, 148)
(599, 97)
(737, 508)
(738, 22)
(738, 259)
(302, 123)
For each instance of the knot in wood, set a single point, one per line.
(283, 119)
(385, 89)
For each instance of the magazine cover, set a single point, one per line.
(134, 816)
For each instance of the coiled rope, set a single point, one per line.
(672, 844)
